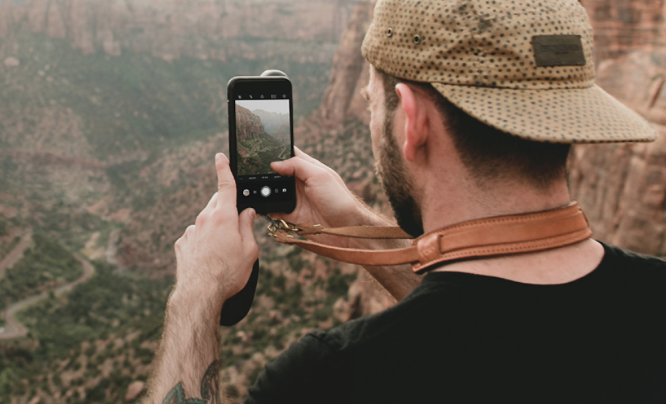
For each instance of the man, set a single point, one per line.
(474, 104)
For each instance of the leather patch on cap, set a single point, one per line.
(558, 50)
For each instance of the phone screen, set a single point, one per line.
(262, 134)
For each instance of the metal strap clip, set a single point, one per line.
(276, 226)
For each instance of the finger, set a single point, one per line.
(300, 153)
(246, 229)
(297, 167)
(226, 186)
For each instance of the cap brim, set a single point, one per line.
(586, 115)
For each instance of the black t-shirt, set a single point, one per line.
(466, 338)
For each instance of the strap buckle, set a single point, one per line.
(276, 226)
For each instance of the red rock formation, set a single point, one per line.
(198, 28)
(349, 74)
(621, 187)
(625, 26)
(248, 125)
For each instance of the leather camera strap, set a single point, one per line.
(500, 235)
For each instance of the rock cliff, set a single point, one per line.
(198, 28)
(342, 99)
(622, 187)
(626, 26)
(248, 125)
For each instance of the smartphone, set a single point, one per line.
(260, 132)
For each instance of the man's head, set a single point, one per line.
(489, 155)
(512, 82)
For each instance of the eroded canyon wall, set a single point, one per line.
(248, 125)
(216, 29)
(622, 187)
(622, 26)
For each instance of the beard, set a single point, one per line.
(396, 181)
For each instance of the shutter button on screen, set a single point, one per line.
(265, 192)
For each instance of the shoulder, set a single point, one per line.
(628, 262)
(626, 273)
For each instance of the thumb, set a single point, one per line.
(246, 229)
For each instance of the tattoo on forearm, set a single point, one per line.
(209, 389)
(209, 386)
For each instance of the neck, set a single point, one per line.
(457, 204)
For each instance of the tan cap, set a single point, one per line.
(523, 66)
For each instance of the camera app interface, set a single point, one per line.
(263, 135)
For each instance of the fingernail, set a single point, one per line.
(252, 214)
(218, 158)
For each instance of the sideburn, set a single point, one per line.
(397, 182)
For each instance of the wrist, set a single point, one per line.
(195, 307)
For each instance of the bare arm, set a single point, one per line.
(186, 364)
(323, 198)
(215, 260)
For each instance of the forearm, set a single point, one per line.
(398, 280)
(186, 364)
(214, 261)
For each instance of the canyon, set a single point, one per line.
(205, 29)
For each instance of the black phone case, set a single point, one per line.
(267, 76)
(236, 308)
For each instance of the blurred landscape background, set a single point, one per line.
(110, 114)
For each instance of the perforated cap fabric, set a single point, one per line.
(524, 67)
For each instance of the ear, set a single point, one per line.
(416, 120)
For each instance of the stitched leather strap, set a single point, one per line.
(388, 232)
(477, 238)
